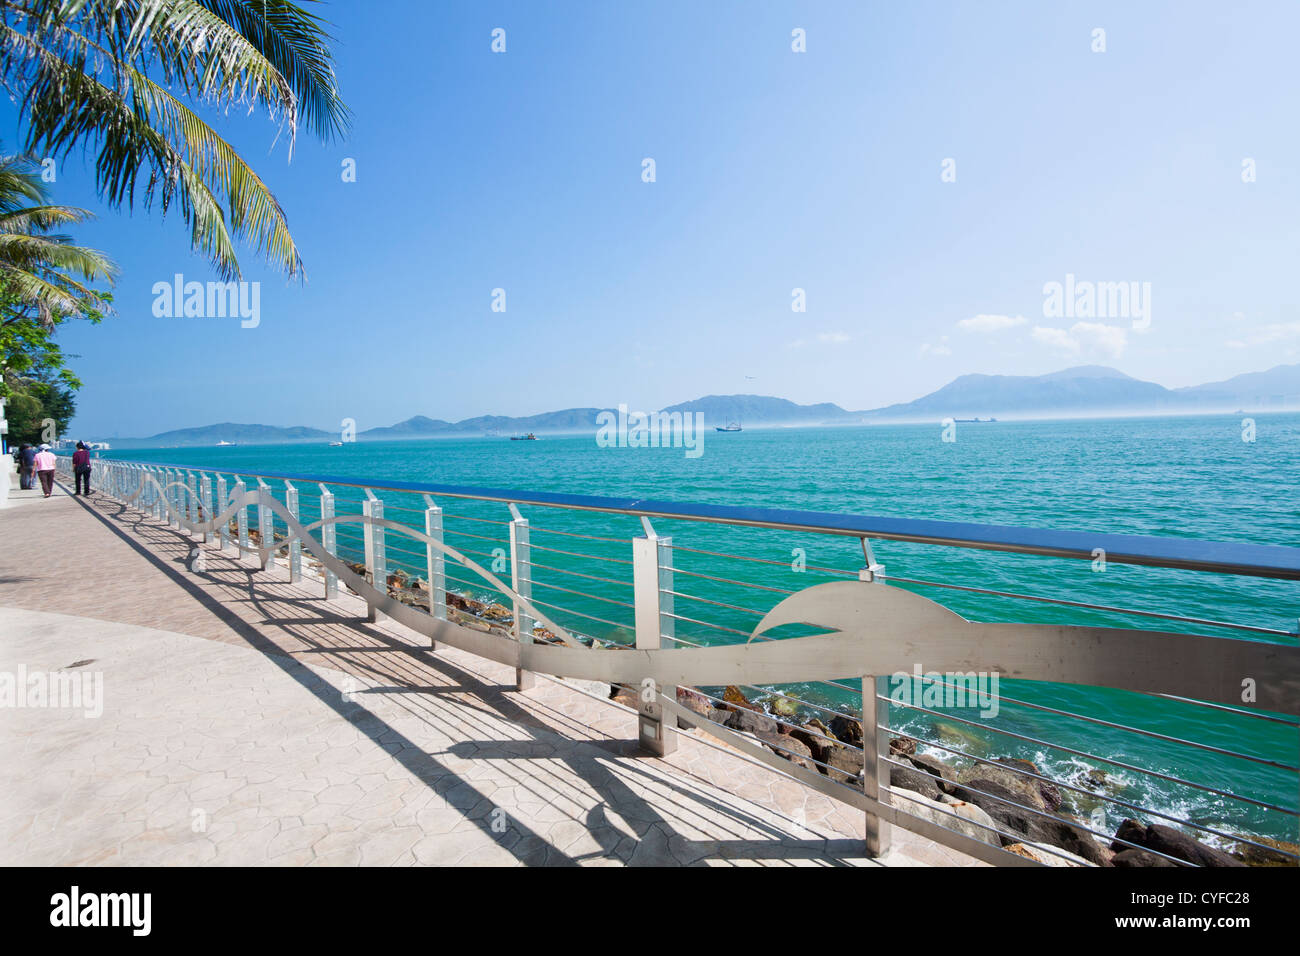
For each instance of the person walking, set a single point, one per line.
(26, 470)
(81, 467)
(44, 463)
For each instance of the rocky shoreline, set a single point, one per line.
(965, 794)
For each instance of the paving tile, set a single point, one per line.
(287, 731)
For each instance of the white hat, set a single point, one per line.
(45, 447)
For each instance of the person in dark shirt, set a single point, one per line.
(26, 459)
(81, 467)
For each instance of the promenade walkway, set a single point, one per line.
(246, 720)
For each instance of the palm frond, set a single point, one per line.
(84, 73)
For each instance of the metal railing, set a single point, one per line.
(1102, 723)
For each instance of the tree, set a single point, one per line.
(43, 273)
(39, 408)
(44, 280)
(114, 75)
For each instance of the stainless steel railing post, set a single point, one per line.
(191, 499)
(223, 499)
(327, 539)
(651, 559)
(205, 503)
(376, 558)
(242, 515)
(521, 580)
(434, 568)
(295, 544)
(265, 525)
(875, 769)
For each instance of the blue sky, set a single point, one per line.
(775, 170)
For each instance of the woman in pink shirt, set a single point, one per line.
(44, 465)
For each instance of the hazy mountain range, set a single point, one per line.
(1083, 391)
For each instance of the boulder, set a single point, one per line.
(1029, 792)
(908, 778)
(945, 775)
(816, 738)
(789, 748)
(1135, 858)
(1046, 855)
(1013, 811)
(735, 696)
(497, 612)
(1263, 856)
(845, 766)
(1096, 779)
(1170, 842)
(694, 701)
(847, 729)
(960, 816)
(904, 746)
(756, 722)
(1050, 793)
(622, 695)
(783, 707)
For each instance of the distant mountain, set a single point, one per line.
(569, 419)
(1279, 386)
(232, 432)
(717, 409)
(416, 427)
(761, 410)
(1093, 390)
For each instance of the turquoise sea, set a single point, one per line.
(1188, 477)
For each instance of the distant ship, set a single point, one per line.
(227, 443)
(973, 421)
(336, 444)
(529, 437)
(729, 427)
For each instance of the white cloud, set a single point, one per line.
(990, 323)
(1054, 338)
(940, 348)
(1097, 338)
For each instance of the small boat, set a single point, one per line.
(729, 427)
(336, 444)
(226, 444)
(529, 437)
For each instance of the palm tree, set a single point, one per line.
(114, 76)
(42, 274)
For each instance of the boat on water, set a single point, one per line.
(975, 421)
(729, 427)
(336, 444)
(225, 444)
(529, 437)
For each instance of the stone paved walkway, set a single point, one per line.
(248, 721)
